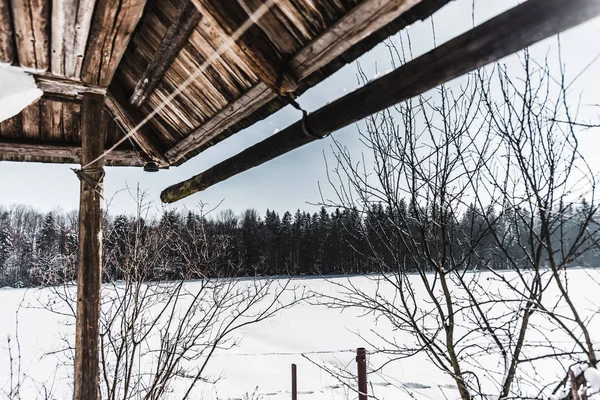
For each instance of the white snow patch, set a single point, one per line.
(17, 91)
(592, 376)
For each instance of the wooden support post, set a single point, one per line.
(294, 383)
(361, 362)
(89, 264)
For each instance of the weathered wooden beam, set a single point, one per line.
(274, 27)
(71, 23)
(501, 36)
(30, 19)
(73, 153)
(128, 118)
(262, 56)
(176, 37)
(7, 51)
(364, 19)
(248, 103)
(367, 17)
(112, 26)
(89, 255)
(53, 85)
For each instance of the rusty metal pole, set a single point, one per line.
(361, 361)
(294, 383)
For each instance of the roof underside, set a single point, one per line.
(139, 53)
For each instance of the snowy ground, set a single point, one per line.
(259, 367)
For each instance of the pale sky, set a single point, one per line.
(292, 181)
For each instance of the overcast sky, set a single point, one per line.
(292, 181)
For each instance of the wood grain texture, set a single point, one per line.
(240, 108)
(273, 24)
(113, 24)
(30, 23)
(366, 18)
(71, 153)
(89, 255)
(499, 37)
(176, 37)
(128, 117)
(7, 50)
(262, 55)
(71, 23)
(53, 85)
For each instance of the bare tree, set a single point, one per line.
(478, 181)
(157, 337)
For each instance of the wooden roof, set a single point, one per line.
(140, 52)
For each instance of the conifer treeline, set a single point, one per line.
(38, 249)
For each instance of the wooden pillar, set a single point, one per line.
(89, 257)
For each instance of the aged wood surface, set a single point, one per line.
(176, 37)
(275, 27)
(71, 22)
(73, 153)
(264, 58)
(366, 18)
(128, 117)
(240, 108)
(30, 23)
(112, 26)
(7, 50)
(89, 256)
(503, 35)
(50, 84)
(361, 21)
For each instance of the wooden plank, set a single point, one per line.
(30, 19)
(71, 22)
(522, 26)
(31, 122)
(63, 87)
(7, 50)
(176, 37)
(89, 255)
(273, 26)
(128, 117)
(32, 149)
(112, 26)
(262, 56)
(240, 108)
(364, 19)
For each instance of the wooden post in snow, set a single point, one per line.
(361, 363)
(89, 257)
(294, 383)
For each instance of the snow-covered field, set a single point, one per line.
(308, 335)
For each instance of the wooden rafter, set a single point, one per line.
(262, 56)
(112, 26)
(364, 19)
(176, 37)
(71, 23)
(128, 117)
(56, 86)
(73, 153)
(248, 103)
(30, 23)
(522, 26)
